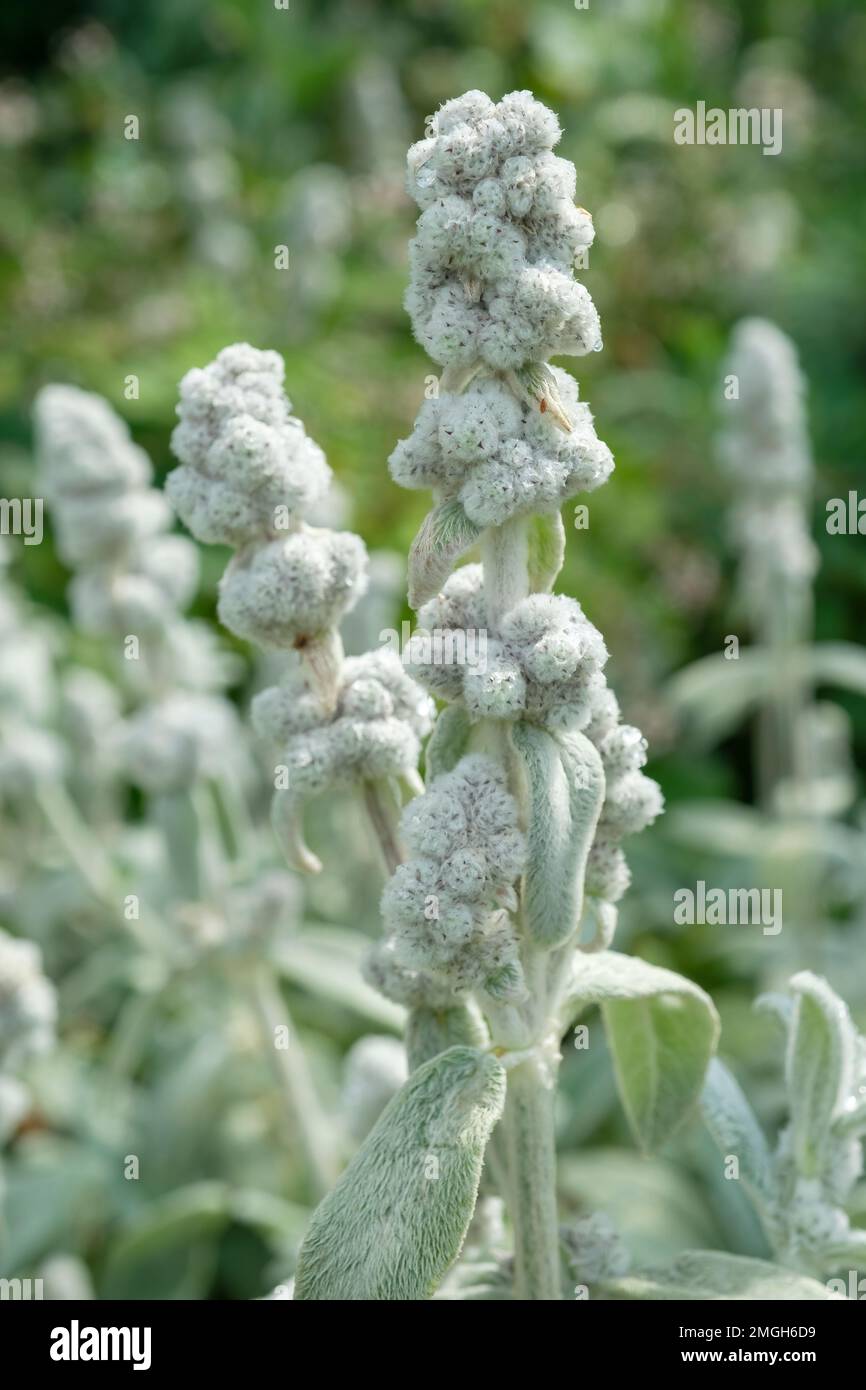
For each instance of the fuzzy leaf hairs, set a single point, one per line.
(801, 1187)
(249, 476)
(397, 1218)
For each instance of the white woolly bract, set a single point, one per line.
(501, 457)
(293, 589)
(28, 1004)
(381, 715)
(492, 260)
(444, 908)
(243, 454)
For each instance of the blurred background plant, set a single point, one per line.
(127, 261)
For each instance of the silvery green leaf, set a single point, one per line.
(839, 663)
(327, 961)
(431, 1031)
(446, 533)
(447, 743)
(662, 1030)
(712, 1274)
(819, 1067)
(714, 695)
(735, 1129)
(396, 1219)
(565, 785)
(546, 550)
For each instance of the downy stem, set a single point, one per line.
(531, 1152)
(528, 1122)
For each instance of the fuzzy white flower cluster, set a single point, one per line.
(500, 455)
(764, 449)
(249, 472)
(491, 264)
(544, 661)
(110, 524)
(374, 731)
(243, 454)
(28, 1005)
(447, 909)
(594, 1248)
(765, 442)
(632, 801)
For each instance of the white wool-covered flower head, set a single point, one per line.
(167, 744)
(501, 456)
(96, 480)
(243, 455)
(764, 444)
(373, 732)
(282, 594)
(492, 261)
(447, 908)
(543, 663)
(84, 448)
(28, 1004)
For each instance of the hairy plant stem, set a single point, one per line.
(530, 1185)
(529, 1136)
(306, 1121)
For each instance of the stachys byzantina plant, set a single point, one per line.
(498, 922)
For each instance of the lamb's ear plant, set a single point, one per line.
(801, 767)
(800, 1187)
(498, 923)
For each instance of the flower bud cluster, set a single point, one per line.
(500, 455)
(491, 263)
(374, 731)
(447, 909)
(248, 476)
(543, 662)
(110, 524)
(632, 801)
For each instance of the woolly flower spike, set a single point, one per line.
(501, 456)
(28, 1007)
(447, 908)
(632, 801)
(544, 663)
(166, 745)
(375, 731)
(289, 591)
(497, 238)
(95, 478)
(765, 444)
(243, 454)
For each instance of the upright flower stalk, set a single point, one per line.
(533, 780)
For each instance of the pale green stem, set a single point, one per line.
(530, 1182)
(307, 1122)
(529, 1134)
